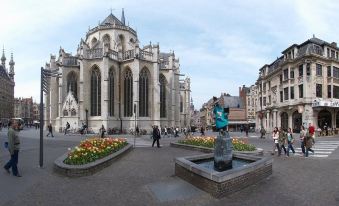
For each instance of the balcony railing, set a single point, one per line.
(145, 55)
(128, 55)
(113, 55)
(93, 53)
(70, 61)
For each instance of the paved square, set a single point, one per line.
(174, 189)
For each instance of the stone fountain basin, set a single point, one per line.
(220, 184)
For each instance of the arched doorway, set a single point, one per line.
(296, 121)
(284, 120)
(324, 116)
(337, 120)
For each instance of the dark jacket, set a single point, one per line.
(50, 128)
(156, 133)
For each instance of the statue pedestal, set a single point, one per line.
(223, 152)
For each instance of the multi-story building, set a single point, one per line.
(36, 112)
(195, 116)
(23, 108)
(6, 88)
(206, 114)
(112, 81)
(300, 87)
(251, 103)
(237, 112)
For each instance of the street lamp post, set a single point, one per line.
(44, 87)
(261, 108)
(135, 122)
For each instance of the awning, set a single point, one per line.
(238, 122)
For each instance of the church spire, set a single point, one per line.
(11, 67)
(3, 58)
(123, 17)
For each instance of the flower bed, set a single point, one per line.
(93, 149)
(238, 145)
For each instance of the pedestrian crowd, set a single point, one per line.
(283, 137)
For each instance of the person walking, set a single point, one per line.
(13, 148)
(290, 141)
(309, 141)
(202, 130)
(311, 131)
(275, 136)
(102, 131)
(262, 132)
(137, 131)
(50, 130)
(282, 140)
(165, 132)
(302, 139)
(176, 132)
(156, 136)
(246, 130)
(67, 127)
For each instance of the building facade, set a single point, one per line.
(6, 88)
(300, 87)
(114, 82)
(36, 112)
(23, 108)
(251, 104)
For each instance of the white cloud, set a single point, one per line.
(220, 43)
(29, 88)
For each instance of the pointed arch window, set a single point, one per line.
(128, 93)
(163, 84)
(111, 92)
(106, 40)
(143, 93)
(72, 84)
(95, 92)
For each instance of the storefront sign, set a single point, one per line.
(325, 103)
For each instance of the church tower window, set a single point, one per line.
(95, 92)
(128, 93)
(111, 92)
(143, 93)
(163, 83)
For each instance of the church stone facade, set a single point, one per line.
(6, 88)
(114, 82)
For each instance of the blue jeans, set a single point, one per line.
(302, 146)
(308, 149)
(13, 162)
(290, 146)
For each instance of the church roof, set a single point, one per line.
(164, 55)
(3, 73)
(111, 19)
